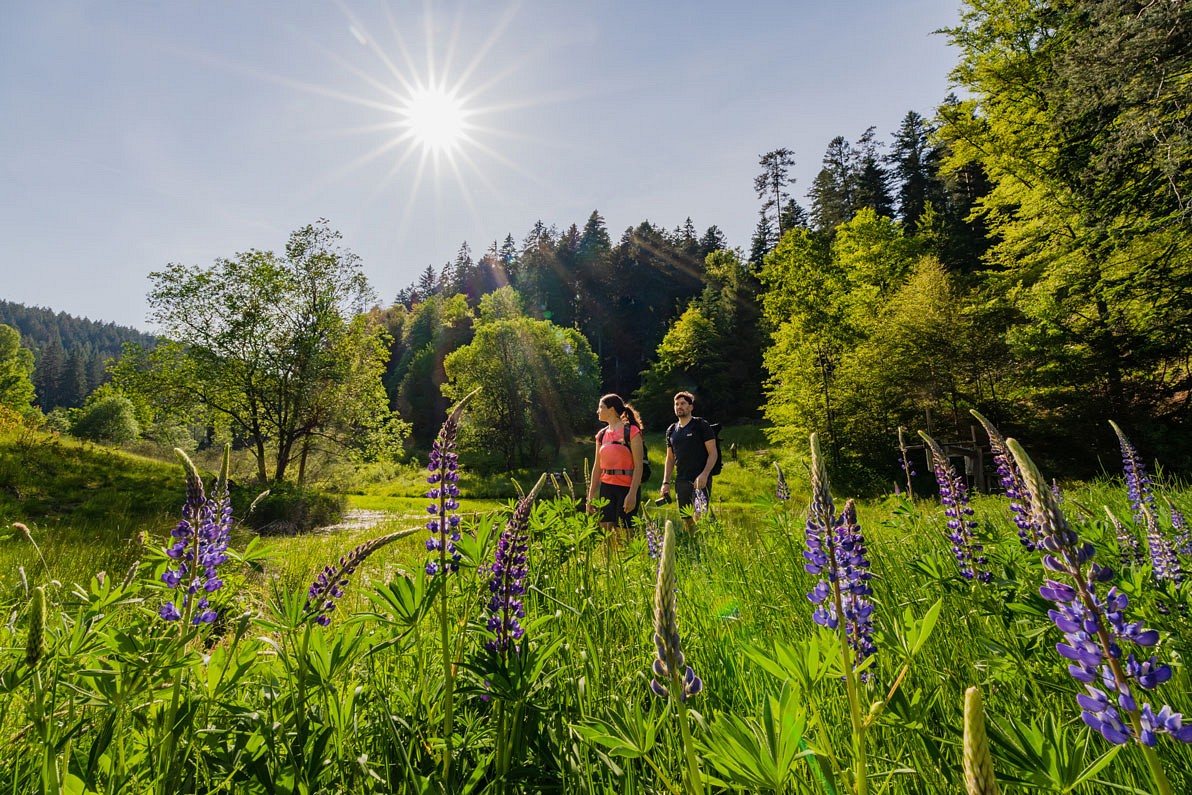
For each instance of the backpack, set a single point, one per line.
(715, 426)
(645, 453)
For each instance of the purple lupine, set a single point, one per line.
(1164, 562)
(1096, 632)
(669, 664)
(1179, 529)
(444, 494)
(200, 546)
(781, 490)
(699, 504)
(653, 540)
(836, 551)
(961, 525)
(333, 579)
(1128, 552)
(1011, 479)
(507, 577)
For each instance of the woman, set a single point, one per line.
(617, 467)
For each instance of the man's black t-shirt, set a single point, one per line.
(688, 443)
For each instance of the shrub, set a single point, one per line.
(287, 509)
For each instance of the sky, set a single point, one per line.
(135, 134)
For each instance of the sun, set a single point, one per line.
(435, 118)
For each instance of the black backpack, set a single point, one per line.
(645, 453)
(715, 426)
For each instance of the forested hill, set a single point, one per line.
(69, 352)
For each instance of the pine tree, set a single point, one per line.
(772, 183)
(833, 192)
(872, 181)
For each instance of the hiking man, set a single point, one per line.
(690, 455)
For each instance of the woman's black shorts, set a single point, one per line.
(614, 511)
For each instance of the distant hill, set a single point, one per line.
(69, 352)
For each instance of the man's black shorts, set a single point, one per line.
(685, 492)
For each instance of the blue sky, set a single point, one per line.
(136, 134)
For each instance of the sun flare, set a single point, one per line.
(435, 118)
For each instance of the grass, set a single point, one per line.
(364, 697)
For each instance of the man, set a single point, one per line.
(690, 455)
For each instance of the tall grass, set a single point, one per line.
(267, 701)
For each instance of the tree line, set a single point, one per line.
(70, 353)
(1024, 252)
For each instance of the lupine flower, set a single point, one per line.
(1011, 479)
(836, 551)
(1128, 551)
(1164, 563)
(330, 584)
(35, 642)
(444, 494)
(781, 491)
(1096, 632)
(653, 540)
(507, 574)
(978, 762)
(669, 665)
(961, 525)
(1179, 528)
(200, 545)
(699, 504)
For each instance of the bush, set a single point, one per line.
(110, 420)
(287, 509)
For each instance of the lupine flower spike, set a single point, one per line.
(1164, 562)
(507, 575)
(1179, 527)
(1011, 479)
(781, 491)
(200, 545)
(444, 494)
(329, 585)
(669, 665)
(653, 540)
(961, 525)
(978, 762)
(836, 552)
(1097, 636)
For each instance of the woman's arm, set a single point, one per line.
(594, 478)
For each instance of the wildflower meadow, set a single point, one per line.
(1029, 640)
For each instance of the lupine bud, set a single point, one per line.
(782, 491)
(978, 762)
(35, 643)
(669, 662)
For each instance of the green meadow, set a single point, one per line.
(400, 693)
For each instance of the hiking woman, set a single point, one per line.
(617, 467)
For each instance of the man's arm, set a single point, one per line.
(668, 469)
(702, 480)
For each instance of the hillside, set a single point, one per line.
(69, 352)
